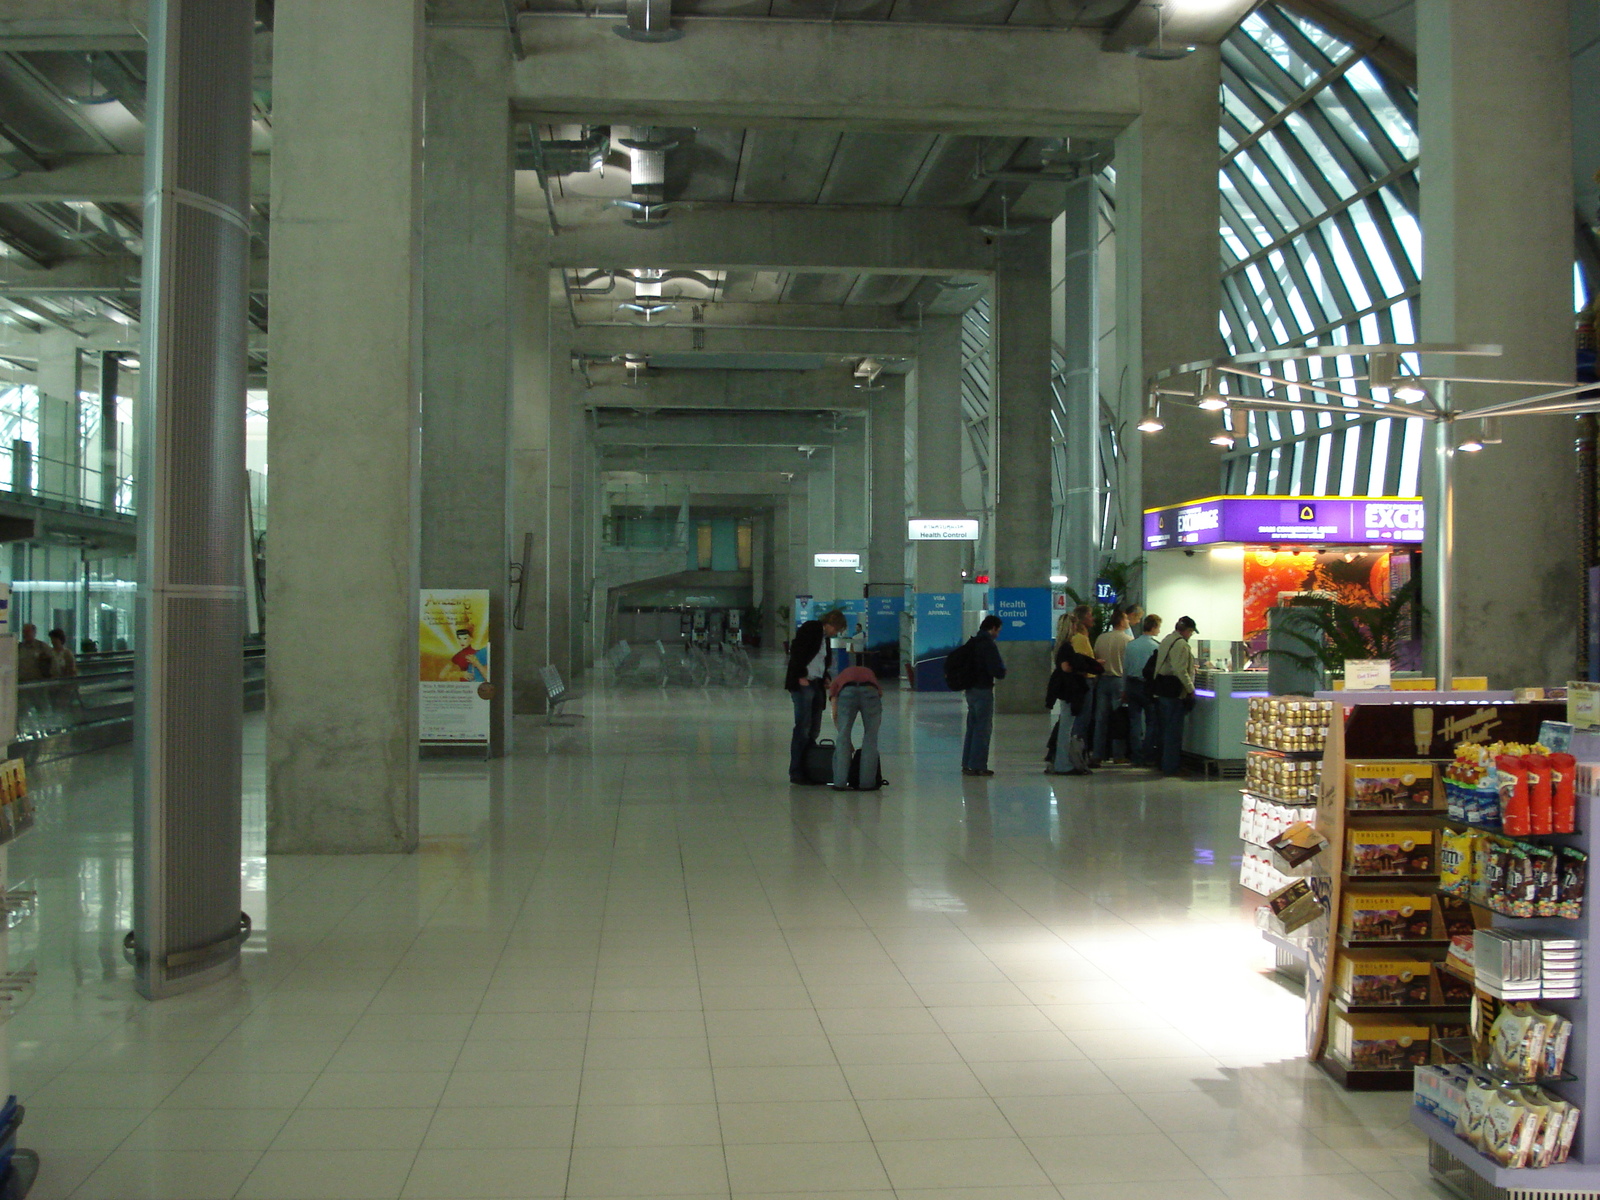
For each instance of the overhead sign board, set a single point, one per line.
(959, 529)
(836, 560)
(1295, 519)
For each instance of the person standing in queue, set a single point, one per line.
(984, 665)
(1142, 725)
(1174, 688)
(1108, 689)
(806, 680)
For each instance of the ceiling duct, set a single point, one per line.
(649, 21)
(566, 156)
(647, 149)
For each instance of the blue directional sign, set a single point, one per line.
(1024, 614)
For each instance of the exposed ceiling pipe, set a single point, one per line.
(649, 21)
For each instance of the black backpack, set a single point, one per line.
(961, 668)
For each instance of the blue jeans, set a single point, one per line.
(809, 704)
(980, 723)
(1083, 723)
(857, 699)
(1139, 750)
(1107, 699)
(1171, 734)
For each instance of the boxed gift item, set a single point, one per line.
(1380, 786)
(1389, 852)
(1387, 918)
(1376, 977)
(1373, 1043)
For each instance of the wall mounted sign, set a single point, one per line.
(454, 679)
(836, 560)
(1296, 519)
(930, 530)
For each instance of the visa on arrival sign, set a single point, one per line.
(836, 560)
(1285, 519)
(1024, 614)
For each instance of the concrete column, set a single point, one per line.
(798, 550)
(1496, 114)
(57, 459)
(938, 434)
(1020, 466)
(1169, 287)
(821, 527)
(850, 494)
(110, 370)
(189, 674)
(561, 523)
(342, 562)
(886, 433)
(1076, 321)
(466, 335)
(530, 457)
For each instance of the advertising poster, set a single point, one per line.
(454, 676)
(1355, 577)
(938, 631)
(1025, 614)
(883, 623)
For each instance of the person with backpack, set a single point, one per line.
(1141, 717)
(972, 669)
(1171, 675)
(855, 692)
(805, 679)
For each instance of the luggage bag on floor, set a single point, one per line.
(819, 761)
(855, 775)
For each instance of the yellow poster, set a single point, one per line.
(454, 676)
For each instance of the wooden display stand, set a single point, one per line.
(1404, 728)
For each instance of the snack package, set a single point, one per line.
(1497, 862)
(1539, 798)
(1387, 918)
(1516, 1042)
(1546, 880)
(1569, 1130)
(1478, 881)
(1563, 793)
(1390, 852)
(1514, 816)
(1574, 877)
(1372, 977)
(1558, 1033)
(1455, 862)
(1506, 1132)
(1519, 897)
(1475, 1111)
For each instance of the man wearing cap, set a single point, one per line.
(1174, 690)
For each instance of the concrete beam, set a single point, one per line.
(115, 275)
(605, 341)
(871, 318)
(77, 25)
(654, 487)
(724, 429)
(105, 179)
(1004, 81)
(776, 237)
(797, 390)
(761, 459)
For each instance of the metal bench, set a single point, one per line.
(556, 693)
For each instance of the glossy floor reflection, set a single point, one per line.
(631, 961)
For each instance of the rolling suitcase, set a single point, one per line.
(819, 761)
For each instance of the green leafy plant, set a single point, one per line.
(1347, 631)
(1122, 576)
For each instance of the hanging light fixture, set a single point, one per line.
(1211, 397)
(1411, 391)
(1224, 437)
(1151, 421)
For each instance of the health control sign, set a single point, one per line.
(1283, 519)
(1024, 614)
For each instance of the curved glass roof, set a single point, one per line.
(1320, 245)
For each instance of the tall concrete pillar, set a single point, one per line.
(57, 457)
(466, 335)
(938, 430)
(189, 675)
(530, 462)
(1496, 114)
(1169, 280)
(821, 526)
(886, 435)
(1076, 320)
(1020, 465)
(850, 502)
(342, 558)
(561, 522)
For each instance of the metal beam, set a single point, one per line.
(73, 25)
(775, 237)
(599, 341)
(103, 179)
(724, 429)
(692, 314)
(112, 275)
(999, 81)
(761, 459)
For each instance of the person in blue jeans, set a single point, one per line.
(805, 678)
(1141, 705)
(1174, 688)
(855, 692)
(987, 666)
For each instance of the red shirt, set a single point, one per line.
(853, 675)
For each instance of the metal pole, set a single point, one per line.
(1441, 518)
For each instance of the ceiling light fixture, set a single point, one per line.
(1152, 422)
(1160, 51)
(1381, 371)
(1411, 392)
(649, 21)
(1211, 397)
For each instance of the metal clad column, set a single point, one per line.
(1080, 346)
(188, 679)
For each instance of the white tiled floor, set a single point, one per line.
(631, 961)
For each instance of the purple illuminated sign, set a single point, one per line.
(1283, 519)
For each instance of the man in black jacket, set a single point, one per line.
(806, 678)
(987, 666)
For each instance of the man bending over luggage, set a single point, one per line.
(806, 680)
(855, 691)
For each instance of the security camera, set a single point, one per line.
(1188, 553)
